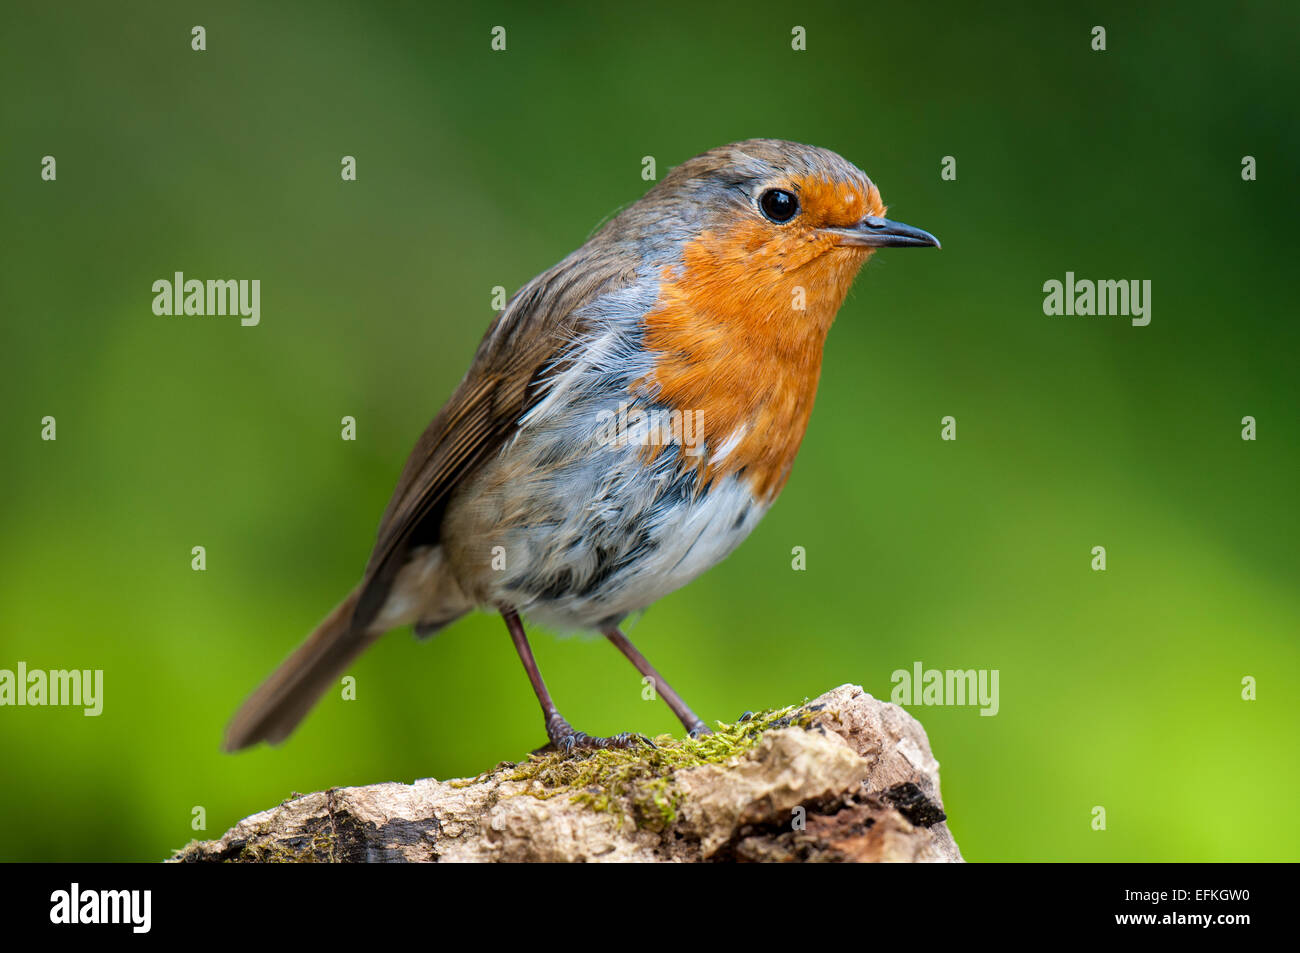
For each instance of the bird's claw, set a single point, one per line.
(565, 740)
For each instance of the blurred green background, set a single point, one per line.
(475, 169)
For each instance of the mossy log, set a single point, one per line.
(845, 777)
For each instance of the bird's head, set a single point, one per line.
(772, 226)
(753, 247)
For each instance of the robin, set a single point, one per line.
(627, 420)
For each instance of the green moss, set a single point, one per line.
(640, 781)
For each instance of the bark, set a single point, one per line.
(845, 777)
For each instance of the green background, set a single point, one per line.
(475, 169)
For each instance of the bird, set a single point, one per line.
(626, 421)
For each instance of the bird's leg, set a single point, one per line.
(558, 730)
(688, 718)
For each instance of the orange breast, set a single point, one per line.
(735, 347)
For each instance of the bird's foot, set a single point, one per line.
(698, 729)
(564, 738)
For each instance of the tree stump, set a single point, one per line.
(845, 777)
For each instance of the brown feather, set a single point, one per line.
(284, 699)
(501, 385)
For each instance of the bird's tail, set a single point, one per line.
(274, 710)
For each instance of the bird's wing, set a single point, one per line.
(506, 378)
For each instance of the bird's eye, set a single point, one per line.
(779, 205)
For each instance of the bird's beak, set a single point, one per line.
(873, 232)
